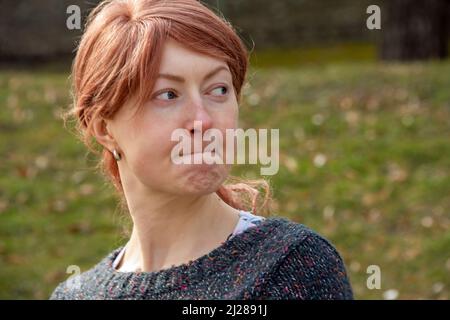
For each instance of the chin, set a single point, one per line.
(204, 181)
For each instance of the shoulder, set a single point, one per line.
(70, 289)
(310, 268)
(298, 235)
(287, 235)
(66, 290)
(78, 286)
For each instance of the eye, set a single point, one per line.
(166, 95)
(220, 91)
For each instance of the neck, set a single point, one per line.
(175, 230)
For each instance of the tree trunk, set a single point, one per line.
(414, 30)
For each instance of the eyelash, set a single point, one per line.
(173, 90)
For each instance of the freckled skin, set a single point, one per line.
(145, 139)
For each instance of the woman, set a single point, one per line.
(143, 69)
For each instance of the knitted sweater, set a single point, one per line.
(277, 259)
(246, 220)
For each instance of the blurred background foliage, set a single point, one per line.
(364, 119)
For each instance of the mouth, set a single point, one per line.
(205, 157)
(181, 154)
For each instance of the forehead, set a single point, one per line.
(178, 59)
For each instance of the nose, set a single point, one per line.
(199, 118)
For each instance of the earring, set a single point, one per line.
(116, 155)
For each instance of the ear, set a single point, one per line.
(102, 135)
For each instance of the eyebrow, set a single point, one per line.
(181, 79)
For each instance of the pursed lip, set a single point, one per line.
(190, 154)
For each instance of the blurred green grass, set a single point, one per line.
(364, 160)
(311, 55)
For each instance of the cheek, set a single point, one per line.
(140, 157)
(150, 135)
(228, 118)
(147, 148)
(223, 120)
(148, 162)
(231, 121)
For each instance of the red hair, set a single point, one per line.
(119, 56)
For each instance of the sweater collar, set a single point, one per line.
(178, 277)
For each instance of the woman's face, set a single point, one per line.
(191, 87)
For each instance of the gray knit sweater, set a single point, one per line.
(278, 259)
